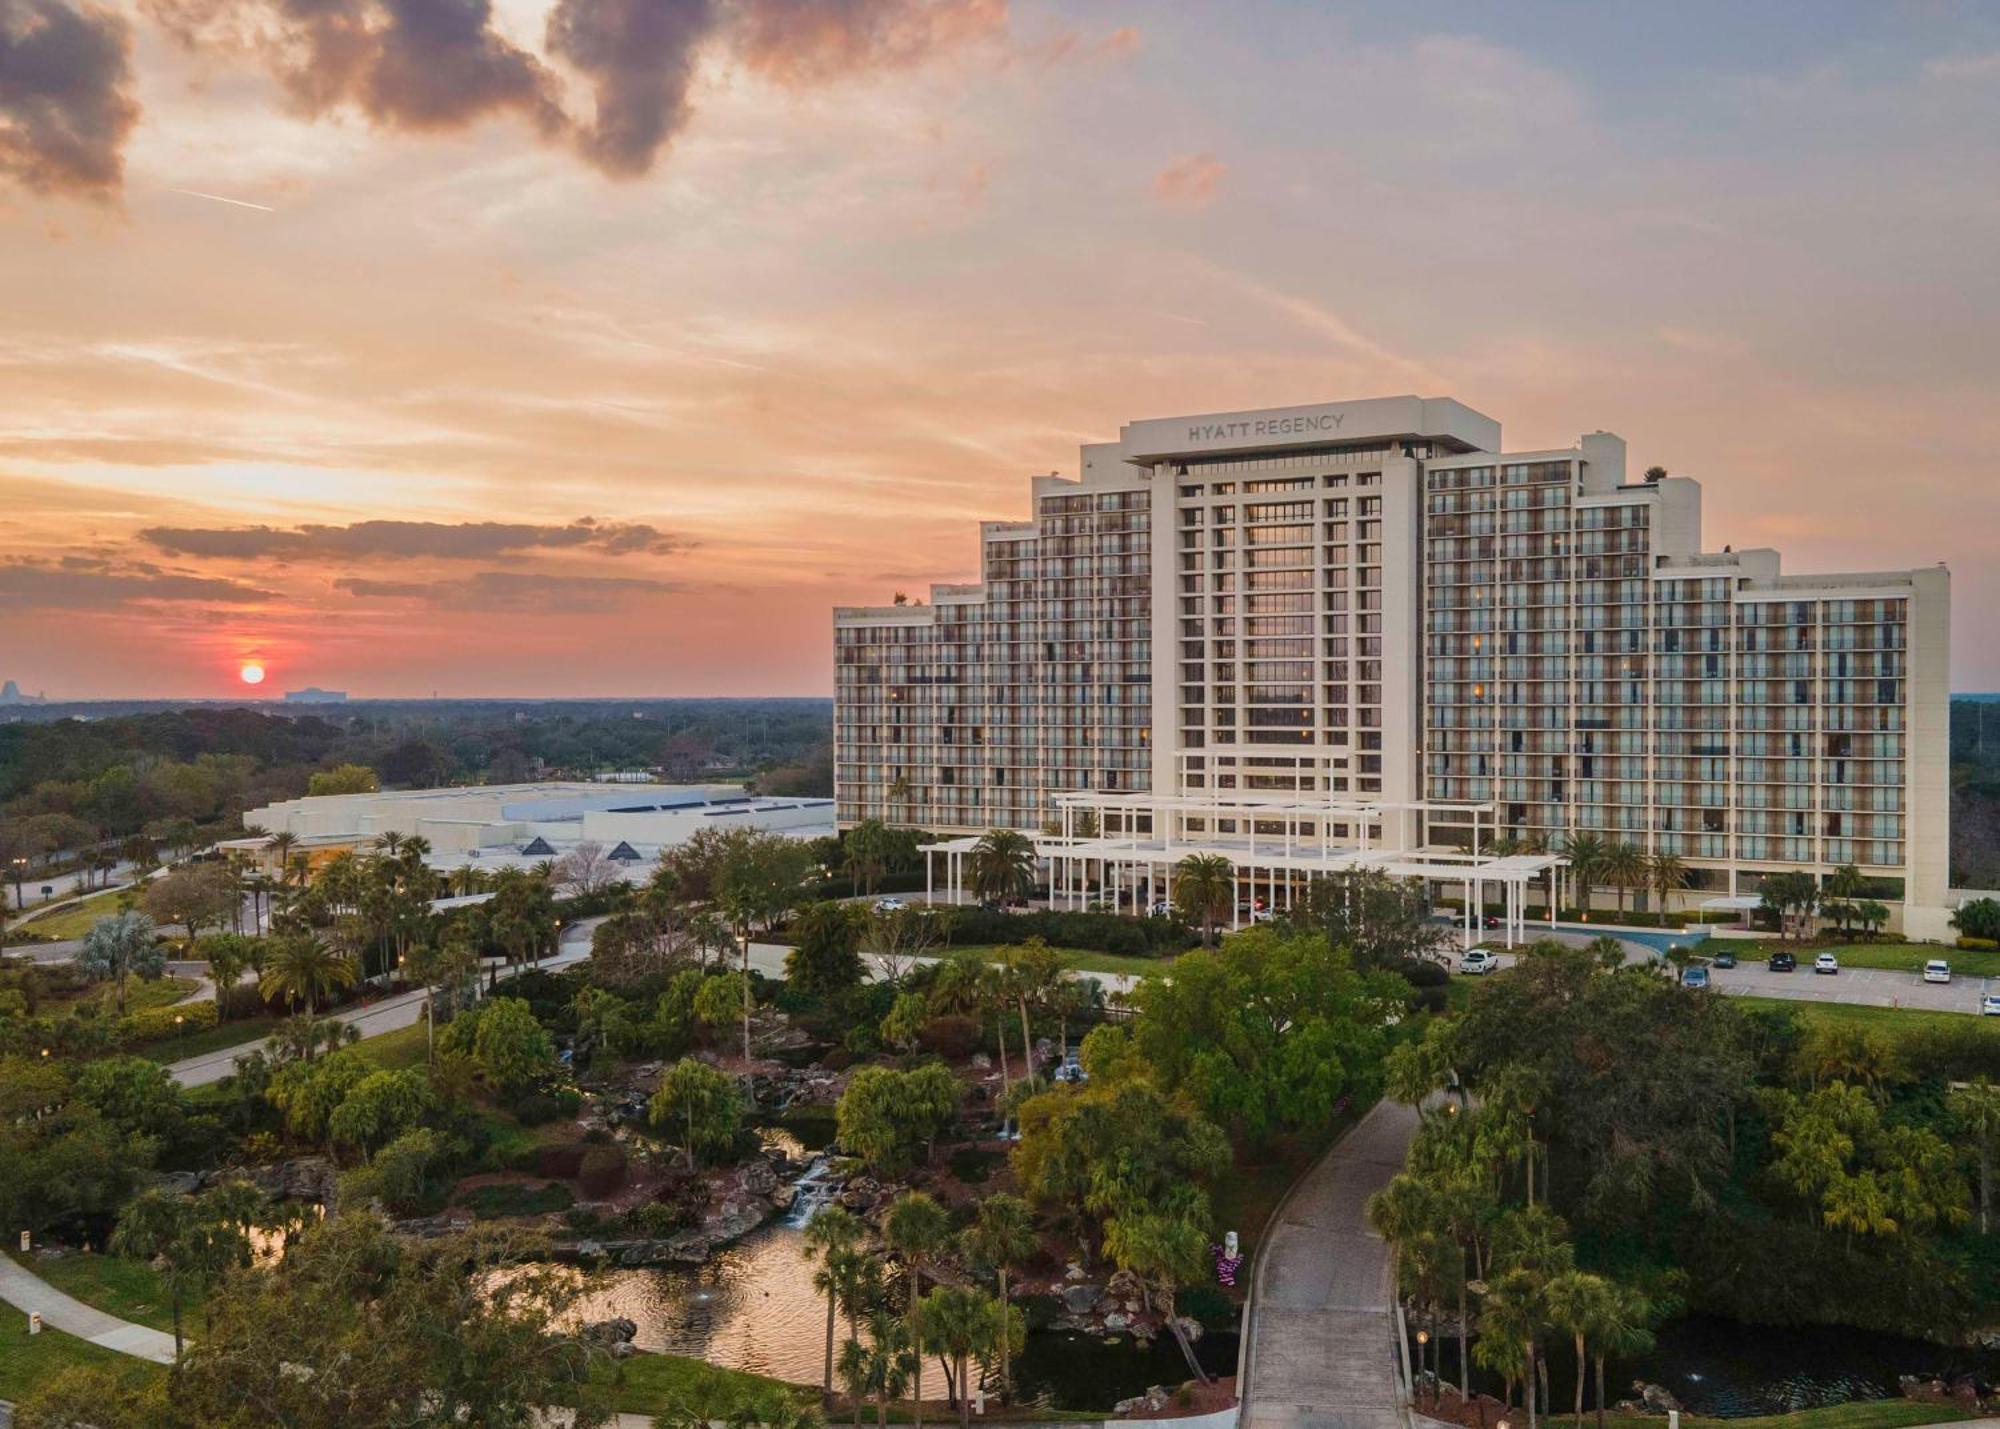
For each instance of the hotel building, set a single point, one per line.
(1306, 635)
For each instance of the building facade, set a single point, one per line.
(1371, 604)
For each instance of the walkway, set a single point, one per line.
(27, 1292)
(1322, 1350)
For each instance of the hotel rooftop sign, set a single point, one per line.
(1276, 429)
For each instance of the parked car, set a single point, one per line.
(1781, 962)
(889, 905)
(1071, 1070)
(1160, 909)
(1479, 961)
(1723, 959)
(1989, 1005)
(1826, 963)
(1694, 977)
(1937, 970)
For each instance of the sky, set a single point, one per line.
(501, 347)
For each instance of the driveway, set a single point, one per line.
(1322, 1351)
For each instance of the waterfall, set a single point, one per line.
(814, 1191)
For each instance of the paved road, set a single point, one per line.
(1322, 1352)
(26, 1292)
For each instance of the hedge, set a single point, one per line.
(1090, 932)
(1979, 945)
(155, 1023)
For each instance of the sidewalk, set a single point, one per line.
(28, 1292)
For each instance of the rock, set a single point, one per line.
(759, 1178)
(783, 1197)
(1080, 1299)
(1117, 1321)
(981, 1062)
(1123, 1285)
(1072, 1271)
(617, 1330)
(178, 1183)
(1151, 1402)
(861, 1193)
(1657, 1398)
(1191, 1328)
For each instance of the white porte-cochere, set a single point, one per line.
(1129, 845)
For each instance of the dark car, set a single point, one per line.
(1782, 963)
(1723, 960)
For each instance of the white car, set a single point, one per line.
(1937, 970)
(1479, 962)
(1989, 1005)
(889, 905)
(1826, 963)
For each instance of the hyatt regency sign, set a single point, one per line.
(1302, 425)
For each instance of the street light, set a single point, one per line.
(178, 1020)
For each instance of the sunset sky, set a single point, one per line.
(600, 348)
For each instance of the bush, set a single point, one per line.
(1979, 945)
(560, 1163)
(1094, 932)
(1978, 918)
(512, 1198)
(951, 1037)
(151, 1024)
(602, 1171)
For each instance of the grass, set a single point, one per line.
(30, 1360)
(395, 1051)
(140, 995)
(75, 920)
(515, 1198)
(129, 1289)
(1248, 1197)
(237, 1032)
(653, 1384)
(1911, 957)
(1887, 1019)
(1083, 960)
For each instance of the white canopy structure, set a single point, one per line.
(1277, 845)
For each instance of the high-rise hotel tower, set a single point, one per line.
(1367, 609)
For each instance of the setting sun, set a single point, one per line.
(252, 674)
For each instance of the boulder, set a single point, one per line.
(760, 1178)
(1657, 1398)
(1117, 1321)
(981, 1062)
(1123, 1285)
(1081, 1299)
(617, 1330)
(178, 1183)
(1191, 1328)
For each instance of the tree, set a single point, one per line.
(896, 937)
(511, 1048)
(1623, 1328)
(1976, 1105)
(229, 956)
(826, 960)
(833, 1232)
(1205, 891)
(201, 895)
(1789, 897)
(1028, 971)
(355, 1328)
(137, 1095)
(917, 1230)
(299, 968)
(958, 1324)
(343, 779)
(1665, 873)
(757, 879)
(586, 870)
(700, 1104)
(119, 947)
(885, 1116)
(1580, 1303)
(194, 1239)
(879, 1367)
(381, 1107)
(905, 1021)
(1624, 868)
(1001, 1237)
(1978, 918)
(1166, 1246)
(1585, 853)
(866, 850)
(1380, 920)
(1001, 867)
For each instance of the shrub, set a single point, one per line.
(1096, 932)
(151, 1024)
(1978, 918)
(512, 1198)
(951, 1037)
(1979, 945)
(602, 1171)
(560, 1163)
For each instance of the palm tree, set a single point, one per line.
(1579, 1302)
(1027, 972)
(831, 1234)
(1624, 869)
(1665, 872)
(1977, 1107)
(1002, 866)
(1003, 1236)
(1166, 1247)
(917, 1229)
(1585, 853)
(159, 1225)
(1624, 1327)
(303, 969)
(282, 844)
(879, 1367)
(1204, 890)
(957, 1323)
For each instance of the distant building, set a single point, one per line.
(10, 694)
(314, 695)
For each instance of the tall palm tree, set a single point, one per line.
(1204, 890)
(1002, 865)
(1624, 870)
(1579, 1302)
(1003, 1236)
(1585, 853)
(303, 969)
(1624, 1327)
(1976, 1104)
(282, 844)
(832, 1233)
(918, 1230)
(1665, 872)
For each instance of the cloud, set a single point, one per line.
(522, 591)
(639, 58)
(420, 65)
(1189, 181)
(1965, 66)
(470, 540)
(805, 42)
(65, 106)
(88, 584)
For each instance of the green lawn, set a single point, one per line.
(1911, 957)
(237, 1032)
(1083, 960)
(140, 995)
(1888, 1019)
(394, 1051)
(75, 920)
(129, 1289)
(28, 1360)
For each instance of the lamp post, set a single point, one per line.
(1423, 1339)
(18, 865)
(179, 1020)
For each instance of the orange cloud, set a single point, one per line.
(1189, 181)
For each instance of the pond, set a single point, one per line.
(1730, 1370)
(752, 1307)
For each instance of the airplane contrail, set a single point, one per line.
(218, 198)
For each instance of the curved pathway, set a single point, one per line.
(27, 1291)
(1322, 1346)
